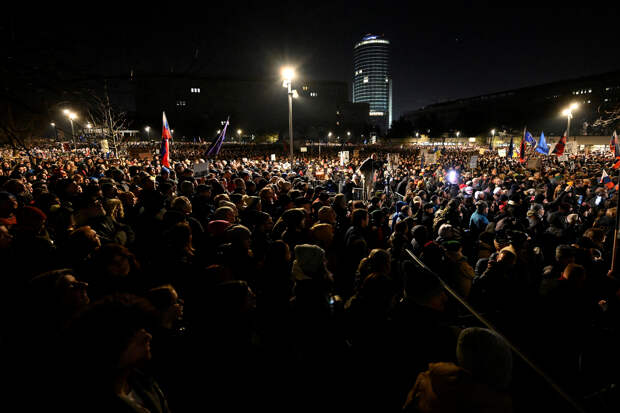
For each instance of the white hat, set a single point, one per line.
(496, 190)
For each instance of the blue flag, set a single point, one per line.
(542, 145)
(530, 139)
(510, 148)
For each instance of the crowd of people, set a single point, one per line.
(261, 284)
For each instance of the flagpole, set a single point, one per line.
(614, 257)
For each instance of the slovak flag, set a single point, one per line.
(165, 148)
(606, 180)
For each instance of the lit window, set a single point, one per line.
(386, 79)
(590, 91)
(365, 79)
(337, 112)
(195, 90)
(181, 103)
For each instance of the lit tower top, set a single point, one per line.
(372, 81)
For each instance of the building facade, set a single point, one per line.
(372, 81)
(195, 106)
(539, 108)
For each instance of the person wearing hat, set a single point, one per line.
(459, 270)
(478, 383)
(478, 220)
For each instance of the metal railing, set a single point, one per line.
(488, 325)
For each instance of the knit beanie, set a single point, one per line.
(310, 258)
(486, 356)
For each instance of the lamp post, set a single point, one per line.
(239, 132)
(148, 131)
(71, 116)
(492, 136)
(55, 130)
(568, 112)
(288, 74)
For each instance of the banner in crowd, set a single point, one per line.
(273, 157)
(105, 147)
(501, 153)
(201, 169)
(534, 163)
(473, 162)
(344, 157)
(303, 149)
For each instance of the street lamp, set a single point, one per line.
(568, 112)
(55, 130)
(71, 116)
(457, 134)
(148, 130)
(287, 76)
(492, 136)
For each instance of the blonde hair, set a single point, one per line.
(114, 208)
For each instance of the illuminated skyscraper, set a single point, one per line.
(371, 81)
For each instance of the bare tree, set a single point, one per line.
(609, 117)
(107, 120)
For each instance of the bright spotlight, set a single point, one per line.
(453, 176)
(288, 73)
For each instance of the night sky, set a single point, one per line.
(437, 55)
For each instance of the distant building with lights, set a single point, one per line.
(196, 105)
(372, 82)
(537, 107)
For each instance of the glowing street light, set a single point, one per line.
(568, 112)
(288, 74)
(148, 130)
(457, 134)
(71, 116)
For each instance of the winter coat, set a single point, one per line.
(447, 388)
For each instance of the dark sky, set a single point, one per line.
(437, 54)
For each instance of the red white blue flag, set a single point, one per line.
(606, 180)
(165, 147)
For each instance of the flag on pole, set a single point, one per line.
(542, 145)
(522, 147)
(615, 147)
(530, 139)
(165, 148)
(559, 147)
(216, 145)
(606, 180)
(511, 148)
(422, 160)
